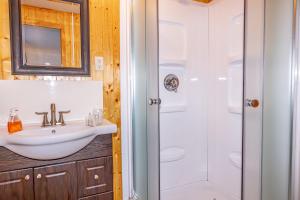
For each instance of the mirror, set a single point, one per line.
(50, 37)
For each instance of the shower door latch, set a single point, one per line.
(254, 103)
(154, 101)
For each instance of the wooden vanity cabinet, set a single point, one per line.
(85, 175)
(56, 182)
(95, 176)
(16, 185)
(104, 196)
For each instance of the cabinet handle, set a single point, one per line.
(27, 177)
(96, 177)
(39, 176)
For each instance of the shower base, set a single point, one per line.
(196, 191)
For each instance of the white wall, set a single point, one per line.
(183, 122)
(81, 97)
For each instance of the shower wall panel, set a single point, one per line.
(183, 123)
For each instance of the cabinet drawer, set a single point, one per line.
(16, 185)
(95, 176)
(104, 196)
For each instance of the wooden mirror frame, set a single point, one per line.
(18, 68)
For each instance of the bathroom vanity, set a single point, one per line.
(77, 164)
(85, 175)
(56, 162)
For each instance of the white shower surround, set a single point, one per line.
(201, 124)
(183, 115)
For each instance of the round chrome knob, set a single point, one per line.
(254, 103)
(154, 101)
(39, 176)
(27, 177)
(96, 177)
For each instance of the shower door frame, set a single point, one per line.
(153, 115)
(254, 33)
(295, 109)
(253, 65)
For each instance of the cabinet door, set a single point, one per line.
(56, 182)
(95, 176)
(16, 185)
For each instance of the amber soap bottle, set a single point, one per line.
(14, 123)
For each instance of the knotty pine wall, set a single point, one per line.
(104, 39)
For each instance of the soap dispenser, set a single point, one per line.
(14, 123)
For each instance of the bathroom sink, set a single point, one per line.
(53, 142)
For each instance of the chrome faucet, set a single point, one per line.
(53, 121)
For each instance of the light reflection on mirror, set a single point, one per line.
(51, 33)
(41, 45)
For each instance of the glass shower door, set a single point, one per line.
(139, 101)
(145, 101)
(167, 143)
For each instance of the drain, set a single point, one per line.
(53, 131)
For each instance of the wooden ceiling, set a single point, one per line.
(203, 1)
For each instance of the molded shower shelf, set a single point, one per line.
(172, 154)
(172, 108)
(174, 62)
(235, 109)
(236, 59)
(236, 159)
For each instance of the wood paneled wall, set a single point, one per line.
(104, 38)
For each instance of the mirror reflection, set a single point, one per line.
(51, 33)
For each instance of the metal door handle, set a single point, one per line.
(254, 103)
(154, 101)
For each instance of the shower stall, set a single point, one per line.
(201, 90)
(210, 89)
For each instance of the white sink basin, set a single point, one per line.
(53, 142)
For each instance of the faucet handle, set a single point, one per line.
(45, 118)
(61, 120)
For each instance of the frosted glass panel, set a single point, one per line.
(139, 111)
(277, 98)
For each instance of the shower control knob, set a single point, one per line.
(154, 101)
(254, 103)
